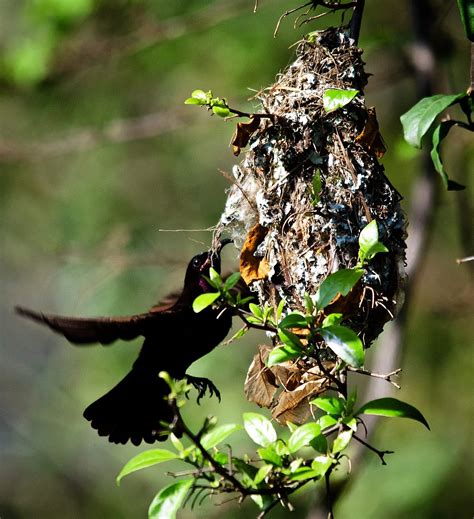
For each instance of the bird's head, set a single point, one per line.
(199, 267)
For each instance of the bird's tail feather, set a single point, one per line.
(133, 409)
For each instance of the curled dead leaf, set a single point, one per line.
(293, 406)
(242, 134)
(251, 267)
(370, 136)
(260, 385)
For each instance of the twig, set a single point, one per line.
(328, 494)
(464, 260)
(377, 375)
(356, 21)
(117, 131)
(379, 453)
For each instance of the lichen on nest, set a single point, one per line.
(311, 181)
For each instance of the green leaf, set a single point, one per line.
(345, 344)
(369, 244)
(192, 101)
(342, 441)
(204, 300)
(418, 120)
(205, 97)
(335, 98)
(332, 319)
(215, 276)
(282, 354)
(331, 404)
(281, 306)
(293, 320)
(392, 407)
(218, 435)
(326, 421)
(256, 310)
(303, 435)
(146, 459)
(221, 458)
(221, 111)
(262, 473)
(177, 444)
(438, 135)
(232, 280)
(259, 429)
(270, 455)
(290, 339)
(466, 9)
(319, 443)
(304, 473)
(321, 464)
(341, 281)
(308, 303)
(169, 499)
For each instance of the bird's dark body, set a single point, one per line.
(175, 337)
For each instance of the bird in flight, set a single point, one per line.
(175, 336)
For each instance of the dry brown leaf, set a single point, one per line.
(370, 136)
(251, 267)
(293, 406)
(260, 385)
(242, 134)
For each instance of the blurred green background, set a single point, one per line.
(98, 153)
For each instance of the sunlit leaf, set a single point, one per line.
(262, 473)
(146, 459)
(304, 473)
(204, 300)
(270, 455)
(342, 441)
(303, 435)
(232, 280)
(321, 464)
(331, 319)
(341, 282)
(418, 120)
(259, 429)
(369, 244)
(293, 320)
(290, 339)
(345, 344)
(282, 354)
(169, 499)
(218, 435)
(335, 98)
(331, 404)
(392, 407)
(221, 111)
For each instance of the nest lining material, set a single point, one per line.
(308, 184)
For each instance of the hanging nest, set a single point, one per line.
(308, 184)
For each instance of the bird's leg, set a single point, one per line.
(203, 385)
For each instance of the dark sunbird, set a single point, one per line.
(175, 337)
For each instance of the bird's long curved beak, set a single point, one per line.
(215, 255)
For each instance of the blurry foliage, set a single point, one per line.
(80, 234)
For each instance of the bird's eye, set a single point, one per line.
(196, 262)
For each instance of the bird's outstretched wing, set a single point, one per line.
(90, 330)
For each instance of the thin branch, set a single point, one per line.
(465, 260)
(328, 494)
(117, 131)
(379, 453)
(382, 376)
